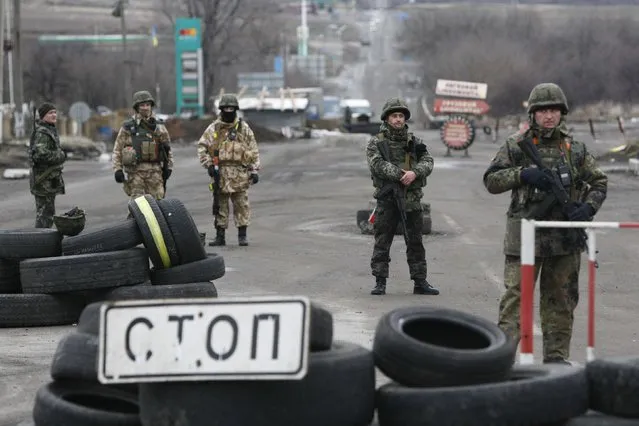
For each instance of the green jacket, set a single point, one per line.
(47, 160)
(589, 184)
(382, 171)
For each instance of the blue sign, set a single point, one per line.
(189, 68)
(278, 65)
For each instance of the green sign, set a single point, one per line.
(189, 67)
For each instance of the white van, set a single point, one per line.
(358, 107)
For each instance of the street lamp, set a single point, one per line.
(118, 12)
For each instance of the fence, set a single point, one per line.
(528, 228)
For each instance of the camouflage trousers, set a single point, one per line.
(241, 209)
(559, 295)
(45, 210)
(145, 182)
(386, 219)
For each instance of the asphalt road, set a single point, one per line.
(304, 241)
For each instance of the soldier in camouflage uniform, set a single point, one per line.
(230, 141)
(47, 161)
(557, 250)
(142, 150)
(403, 147)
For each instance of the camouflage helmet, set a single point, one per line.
(547, 95)
(141, 97)
(70, 223)
(229, 101)
(395, 105)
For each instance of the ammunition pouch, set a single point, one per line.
(129, 157)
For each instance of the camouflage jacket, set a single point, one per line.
(237, 153)
(382, 171)
(589, 184)
(47, 161)
(124, 140)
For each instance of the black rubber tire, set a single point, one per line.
(362, 216)
(21, 244)
(450, 348)
(208, 269)
(38, 310)
(339, 389)
(539, 395)
(614, 386)
(598, 419)
(321, 329)
(122, 235)
(84, 404)
(184, 230)
(76, 358)
(10, 277)
(84, 271)
(156, 235)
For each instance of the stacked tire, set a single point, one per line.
(339, 389)
(453, 368)
(25, 299)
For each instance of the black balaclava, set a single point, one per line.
(228, 117)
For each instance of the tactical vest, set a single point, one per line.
(398, 157)
(224, 155)
(553, 155)
(147, 148)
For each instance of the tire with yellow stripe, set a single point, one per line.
(156, 234)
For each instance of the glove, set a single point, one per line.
(212, 171)
(119, 176)
(166, 174)
(535, 177)
(255, 178)
(581, 212)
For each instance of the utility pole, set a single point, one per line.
(17, 59)
(118, 12)
(2, 12)
(7, 14)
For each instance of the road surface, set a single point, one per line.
(304, 241)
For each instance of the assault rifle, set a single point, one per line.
(164, 156)
(558, 194)
(394, 188)
(216, 183)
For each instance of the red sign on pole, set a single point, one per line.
(460, 106)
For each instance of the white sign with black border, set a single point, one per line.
(256, 338)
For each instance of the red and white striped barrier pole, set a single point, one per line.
(592, 268)
(528, 279)
(527, 255)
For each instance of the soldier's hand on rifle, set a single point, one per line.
(581, 212)
(166, 174)
(119, 176)
(535, 177)
(254, 177)
(212, 171)
(408, 178)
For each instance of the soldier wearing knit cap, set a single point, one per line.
(47, 161)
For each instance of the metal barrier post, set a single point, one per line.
(592, 253)
(527, 256)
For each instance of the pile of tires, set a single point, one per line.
(339, 389)
(447, 368)
(47, 279)
(367, 228)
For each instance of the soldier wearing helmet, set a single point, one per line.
(557, 250)
(398, 161)
(228, 151)
(142, 150)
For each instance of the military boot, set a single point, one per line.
(380, 287)
(556, 360)
(241, 236)
(220, 239)
(423, 287)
